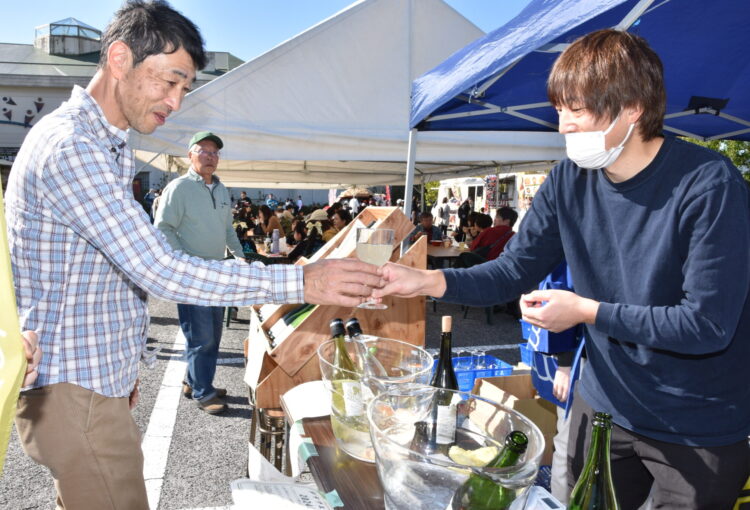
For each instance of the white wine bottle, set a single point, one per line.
(444, 378)
(371, 366)
(345, 377)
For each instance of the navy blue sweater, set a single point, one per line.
(667, 254)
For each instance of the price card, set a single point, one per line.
(279, 496)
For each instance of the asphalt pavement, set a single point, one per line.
(191, 457)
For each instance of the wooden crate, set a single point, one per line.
(272, 371)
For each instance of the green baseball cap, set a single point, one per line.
(206, 135)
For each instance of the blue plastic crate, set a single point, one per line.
(527, 353)
(493, 367)
(541, 340)
(543, 371)
(525, 329)
(544, 477)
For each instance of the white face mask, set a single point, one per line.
(587, 149)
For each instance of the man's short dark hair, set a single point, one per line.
(151, 28)
(483, 221)
(606, 71)
(509, 214)
(426, 214)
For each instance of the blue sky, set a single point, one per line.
(246, 28)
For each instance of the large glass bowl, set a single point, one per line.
(404, 363)
(414, 481)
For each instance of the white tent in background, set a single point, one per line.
(310, 111)
(341, 174)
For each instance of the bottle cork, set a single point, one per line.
(447, 323)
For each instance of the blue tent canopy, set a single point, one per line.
(499, 81)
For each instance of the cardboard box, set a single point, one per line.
(517, 392)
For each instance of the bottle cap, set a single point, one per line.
(337, 327)
(447, 323)
(353, 327)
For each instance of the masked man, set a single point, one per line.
(657, 234)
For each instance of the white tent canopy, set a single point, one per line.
(336, 94)
(341, 174)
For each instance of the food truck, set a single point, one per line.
(489, 193)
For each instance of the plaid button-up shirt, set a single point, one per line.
(85, 256)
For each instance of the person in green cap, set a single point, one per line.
(196, 217)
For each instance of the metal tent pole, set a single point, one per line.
(409, 178)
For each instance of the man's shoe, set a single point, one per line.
(187, 391)
(212, 406)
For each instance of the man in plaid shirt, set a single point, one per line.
(85, 257)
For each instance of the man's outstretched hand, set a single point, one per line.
(403, 281)
(342, 282)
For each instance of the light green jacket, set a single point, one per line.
(197, 219)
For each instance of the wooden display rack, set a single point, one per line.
(272, 371)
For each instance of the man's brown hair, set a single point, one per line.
(606, 71)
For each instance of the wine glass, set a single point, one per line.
(374, 246)
(465, 360)
(479, 359)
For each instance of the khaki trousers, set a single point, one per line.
(89, 442)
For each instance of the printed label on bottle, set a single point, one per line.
(352, 398)
(446, 424)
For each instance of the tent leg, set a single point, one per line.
(408, 188)
(409, 178)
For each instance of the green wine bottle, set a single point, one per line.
(304, 314)
(594, 489)
(345, 376)
(480, 493)
(291, 314)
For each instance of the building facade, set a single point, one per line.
(36, 78)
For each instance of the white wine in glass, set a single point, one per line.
(374, 246)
